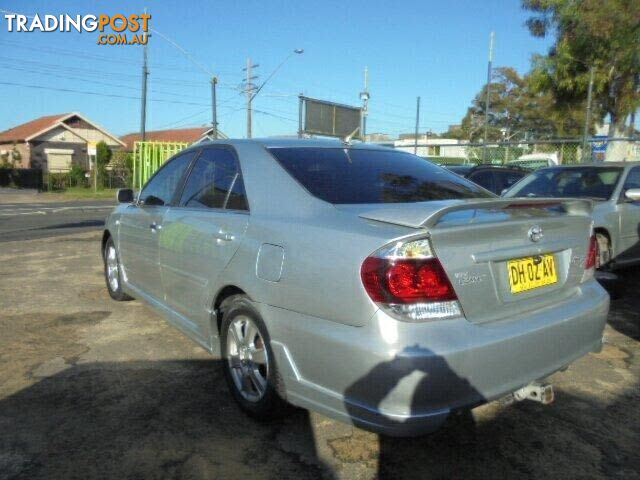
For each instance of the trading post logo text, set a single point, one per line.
(114, 29)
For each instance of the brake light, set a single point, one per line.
(592, 254)
(591, 260)
(407, 281)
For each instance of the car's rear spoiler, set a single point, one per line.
(427, 215)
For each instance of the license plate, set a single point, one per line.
(532, 272)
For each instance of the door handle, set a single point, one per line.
(223, 236)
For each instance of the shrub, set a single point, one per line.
(77, 176)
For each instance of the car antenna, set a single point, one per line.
(347, 140)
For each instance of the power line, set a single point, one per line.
(96, 82)
(182, 120)
(276, 116)
(100, 74)
(99, 94)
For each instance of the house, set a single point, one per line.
(432, 147)
(380, 139)
(187, 135)
(54, 143)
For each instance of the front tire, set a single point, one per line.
(112, 272)
(248, 361)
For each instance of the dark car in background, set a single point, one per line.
(495, 178)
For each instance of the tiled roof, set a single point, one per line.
(188, 135)
(24, 131)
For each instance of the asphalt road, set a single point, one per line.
(27, 221)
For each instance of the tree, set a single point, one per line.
(122, 166)
(103, 155)
(604, 35)
(515, 111)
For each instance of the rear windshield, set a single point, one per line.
(350, 176)
(583, 182)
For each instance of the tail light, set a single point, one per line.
(591, 259)
(406, 280)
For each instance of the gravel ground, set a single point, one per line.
(91, 388)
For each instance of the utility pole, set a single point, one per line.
(487, 95)
(364, 96)
(249, 89)
(587, 117)
(214, 112)
(145, 74)
(300, 107)
(415, 145)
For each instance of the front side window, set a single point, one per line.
(578, 182)
(162, 186)
(215, 182)
(351, 176)
(633, 179)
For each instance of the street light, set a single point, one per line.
(297, 51)
(252, 94)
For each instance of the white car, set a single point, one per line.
(536, 160)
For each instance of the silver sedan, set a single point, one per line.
(615, 190)
(361, 282)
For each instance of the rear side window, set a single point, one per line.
(484, 179)
(215, 182)
(351, 176)
(507, 179)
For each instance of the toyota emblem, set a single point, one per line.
(535, 233)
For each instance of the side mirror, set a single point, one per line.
(632, 194)
(125, 195)
(504, 190)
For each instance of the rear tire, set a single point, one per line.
(248, 362)
(113, 272)
(604, 251)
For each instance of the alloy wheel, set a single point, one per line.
(247, 357)
(111, 259)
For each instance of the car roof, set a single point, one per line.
(491, 166)
(596, 165)
(289, 142)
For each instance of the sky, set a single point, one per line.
(435, 50)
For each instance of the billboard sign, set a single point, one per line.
(319, 117)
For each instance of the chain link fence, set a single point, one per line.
(530, 153)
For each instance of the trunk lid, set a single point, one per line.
(476, 240)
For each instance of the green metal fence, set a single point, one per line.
(148, 157)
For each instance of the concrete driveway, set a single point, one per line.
(91, 388)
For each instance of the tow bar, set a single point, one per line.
(538, 392)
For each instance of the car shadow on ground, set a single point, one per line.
(625, 302)
(175, 419)
(523, 439)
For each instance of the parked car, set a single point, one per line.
(615, 189)
(495, 178)
(533, 161)
(358, 281)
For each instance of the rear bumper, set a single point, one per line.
(404, 379)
